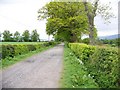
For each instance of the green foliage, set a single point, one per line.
(11, 50)
(75, 74)
(63, 36)
(16, 36)
(0, 52)
(26, 36)
(65, 19)
(101, 63)
(7, 36)
(12, 43)
(86, 40)
(10, 61)
(112, 42)
(34, 36)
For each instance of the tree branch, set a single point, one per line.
(95, 7)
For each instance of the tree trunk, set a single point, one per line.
(91, 30)
(73, 38)
(91, 16)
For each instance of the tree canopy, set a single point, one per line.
(7, 36)
(66, 19)
(26, 36)
(17, 36)
(34, 36)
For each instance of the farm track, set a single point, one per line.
(42, 70)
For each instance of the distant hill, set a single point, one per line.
(110, 36)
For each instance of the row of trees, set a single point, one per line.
(111, 42)
(70, 20)
(16, 37)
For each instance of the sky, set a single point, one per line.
(20, 15)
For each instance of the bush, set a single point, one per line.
(86, 40)
(101, 63)
(11, 50)
(75, 74)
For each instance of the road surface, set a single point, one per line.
(42, 70)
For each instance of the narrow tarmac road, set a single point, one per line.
(42, 70)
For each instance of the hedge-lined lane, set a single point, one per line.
(38, 71)
(101, 62)
(15, 52)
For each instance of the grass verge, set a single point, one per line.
(74, 73)
(10, 61)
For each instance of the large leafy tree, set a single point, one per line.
(7, 36)
(66, 19)
(63, 15)
(26, 36)
(34, 36)
(17, 36)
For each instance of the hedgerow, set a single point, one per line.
(11, 50)
(101, 63)
(75, 74)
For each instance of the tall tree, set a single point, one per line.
(7, 36)
(34, 36)
(17, 36)
(26, 36)
(73, 18)
(66, 19)
(91, 13)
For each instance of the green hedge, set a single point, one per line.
(101, 62)
(74, 73)
(11, 50)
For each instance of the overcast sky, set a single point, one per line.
(20, 15)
